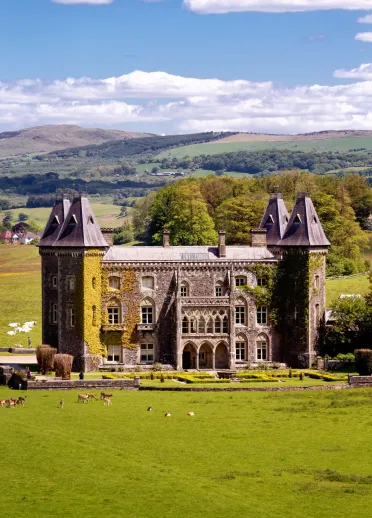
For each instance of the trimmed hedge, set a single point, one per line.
(363, 361)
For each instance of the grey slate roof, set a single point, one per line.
(55, 222)
(186, 253)
(304, 227)
(80, 227)
(275, 219)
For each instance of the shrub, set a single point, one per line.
(301, 376)
(63, 365)
(108, 376)
(45, 358)
(157, 367)
(363, 361)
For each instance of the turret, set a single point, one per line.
(275, 219)
(304, 248)
(72, 248)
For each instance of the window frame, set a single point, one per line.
(152, 287)
(113, 313)
(146, 311)
(240, 281)
(262, 282)
(54, 314)
(114, 349)
(262, 316)
(71, 317)
(240, 314)
(238, 351)
(184, 289)
(54, 281)
(71, 282)
(113, 278)
(262, 346)
(146, 350)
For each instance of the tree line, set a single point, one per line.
(193, 210)
(268, 161)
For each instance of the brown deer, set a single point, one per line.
(105, 394)
(106, 401)
(11, 403)
(2, 402)
(83, 398)
(92, 396)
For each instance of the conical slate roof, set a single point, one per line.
(275, 219)
(55, 222)
(80, 228)
(304, 227)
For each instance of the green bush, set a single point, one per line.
(108, 376)
(329, 377)
(263, 379)
(314, 375)
(363, 361)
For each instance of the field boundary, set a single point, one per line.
(250, 389)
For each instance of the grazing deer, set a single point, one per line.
(10, 403)
(167, 414)
(61, 403)
(105, 394)
(20, 401)
(107, 401)
(2, 402)
(83, 398)
(191, 414)
(92, 396)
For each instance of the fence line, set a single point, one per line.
(347, 276)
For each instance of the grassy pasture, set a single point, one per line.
(20, 289)
(107, 214)
(243, 454)
(354, 285)
(213, 148)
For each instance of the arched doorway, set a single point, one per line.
(206, 356)
(222, 356)
(189, 356)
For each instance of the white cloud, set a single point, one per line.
(364, 71)
(273, 6)
(365, 19)
(364, 36)
(91, 2)
(182, 104)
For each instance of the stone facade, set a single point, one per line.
(185, 306)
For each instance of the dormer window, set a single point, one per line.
(90, 220)
(73, 220)
(297, 220)
(55, 221)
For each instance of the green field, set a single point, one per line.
(340, 144)
(20, 288)
(353, 285)
(243, 454)
(107, 214)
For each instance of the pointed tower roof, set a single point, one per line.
(55, 221)
(80, 227)
(304, 227)
(275, 219)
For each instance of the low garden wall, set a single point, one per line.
(360, 381)
(17, 350)
(82, 385)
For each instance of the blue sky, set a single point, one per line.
(278, 57)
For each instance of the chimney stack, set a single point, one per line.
(221, 243)
(108, 234)
(258, 237)
(166, 239)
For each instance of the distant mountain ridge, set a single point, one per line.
(274, 137)
(44, 139)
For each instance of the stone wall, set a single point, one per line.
(81, 385)
(360, 381)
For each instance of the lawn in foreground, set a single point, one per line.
(243, 454)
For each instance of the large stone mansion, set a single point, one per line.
(185, 306)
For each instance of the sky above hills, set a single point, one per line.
(172, 66)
